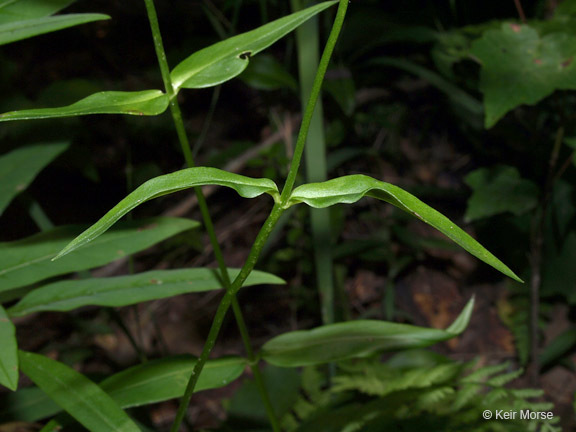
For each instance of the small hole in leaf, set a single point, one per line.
(245, 55)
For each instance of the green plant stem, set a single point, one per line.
(185, 145)
(270, 222)
(315, 92)
(307, 40)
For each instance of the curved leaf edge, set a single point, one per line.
(95, 104)
(246, 187)
(350, 189)
(455, 329)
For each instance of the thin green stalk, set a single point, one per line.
(316, 87)
(270, 222)
(307, 40)
(185, 145)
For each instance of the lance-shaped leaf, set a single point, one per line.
(349, 189)
(19, 167)
(151, 382)
(27, 261)
(18, 30)
(147, 102)
(167, 378)
(76, 394)
(8, 352)
(27, 404)
(353, 339)
(227, 59)
(192, 177)
(126, 290)
(20, 10)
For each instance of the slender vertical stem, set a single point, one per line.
(223, 309)
(185, 146)
(307, 39)
(315, 92)
(520, 10)
(270, 222)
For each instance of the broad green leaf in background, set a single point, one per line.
(18, 30)
(76, 394)
(227, 59)
(8, 352)
(127, 290)
(26, 261)
(19, 167)
(498, 190)
(349, 189)
(147, 102)
(164, 379)
(19, 10)
(353, 339)
(266, 73)
(184, 179)
(521, 67)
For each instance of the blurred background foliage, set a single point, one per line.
(454, 100)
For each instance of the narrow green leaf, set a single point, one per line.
(454, 92)
(227, 59)
(127, 290)
(19, 167)
(152, 382)
(349, 189)
(18, 30)
(164, 379)
(20, 10)
(76, 394)
(27, 404)
(27, 261)
(192, 177)
(362, 338)
(147, 102)
(8, 352)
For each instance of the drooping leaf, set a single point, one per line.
(192, 177)
(8, 352)
(349, 189)
(353, 339)
(26, 261)
(147, 102)
(227, 59)
(18, 30)
(76, 394)
(164, 379)
(126, 290)
(498, 190)
(19, 167)
(521, 67)
(19, 10)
